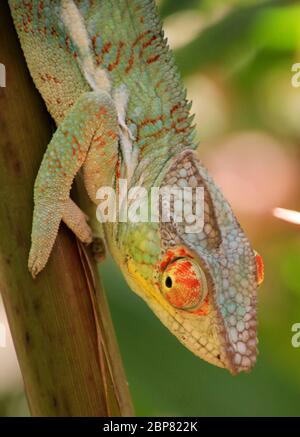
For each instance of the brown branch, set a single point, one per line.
(60, 322)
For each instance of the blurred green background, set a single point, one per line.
(236, 58)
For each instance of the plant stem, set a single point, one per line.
(60, 322)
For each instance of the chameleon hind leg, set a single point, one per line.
(76, 220)
(93, 116)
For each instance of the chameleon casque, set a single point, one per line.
(109, 81)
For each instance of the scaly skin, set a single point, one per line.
(108, 80)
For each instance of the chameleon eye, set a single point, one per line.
(183, 284)
(259, 268)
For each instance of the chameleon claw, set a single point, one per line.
(34, 265)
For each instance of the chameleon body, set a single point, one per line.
(108, 79)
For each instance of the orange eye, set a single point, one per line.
(183, 284)
(259, 268)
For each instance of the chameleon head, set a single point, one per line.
(202, 285)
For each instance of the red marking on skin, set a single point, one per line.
(151, 135)
(147, 44)
(159, 84)
(118, 169)
(28, 19)
(67, 39)
(151, 120)
(28, 5)
(40, 9)
(178, 129)
(153, 59)
(133, 46)
(114, 64)
(100, 142)
(156, 134)
(75, 146)
(58, 163)
(129, 66)
(143, 148)
(174, 108)
(260, 268)
(118, 175)
(183, 252)
(203, 310)
(105, 49)
(48, 102)
(48, 77)
(147, 121)
(178, 120)
(184, 267)
(169, 256)
(25, 25)
(102, 111)
(172, 255)
(94, 41)
(112, 159)
(111, 134)
(190, 282)
(53, 32)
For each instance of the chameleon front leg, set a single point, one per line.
(93, 116)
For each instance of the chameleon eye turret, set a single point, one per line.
(184, 285)
(260, 268)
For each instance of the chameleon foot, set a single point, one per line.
(76, 220)
(69, 149)
(98, 249)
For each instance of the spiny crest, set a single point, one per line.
(137, 50)
(161, 67)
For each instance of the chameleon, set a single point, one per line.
(109, 80)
